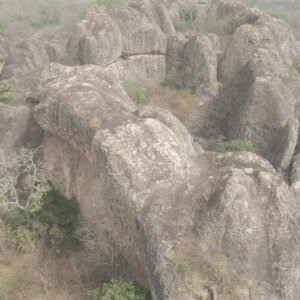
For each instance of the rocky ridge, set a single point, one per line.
(195, 224)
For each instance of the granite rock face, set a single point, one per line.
(119, 37)
(190, 223)
(259, 100)
(192, 63)
(194, 221)
(28, 55)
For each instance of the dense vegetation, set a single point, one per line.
(119, 289)
(6, 92)
(51, 222)
(234, 145)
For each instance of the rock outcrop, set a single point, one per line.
(259, 100)
(192, 63)
(138, 177)
(119, 35)
(29, 55)
(190, 223)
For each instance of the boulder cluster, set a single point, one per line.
(193, 224)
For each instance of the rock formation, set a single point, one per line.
(192, 224)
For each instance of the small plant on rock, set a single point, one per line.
(236, 22)
(234, 145)
(189, 18)
(120, 289)
(6, 92)
(296, 65)
(125, 55)
(135, 91)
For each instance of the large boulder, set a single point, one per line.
(28, 55)
(192, 63)
(18, 128)
(119, 37)
(195, 224)
(267, 33)
(259, 101)
(260, 105)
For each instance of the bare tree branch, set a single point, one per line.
(20, 177)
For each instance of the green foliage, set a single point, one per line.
(189, 18)
(125, 56)
(5, 291)
(44, 17)
(54, 224)
(135, 91)
(119, 289)
(296, 65)
(6, 92)
(109, 3)
(236, 22)
(22, 239)
(234, 145)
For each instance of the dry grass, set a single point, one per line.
(179, 102)
(203, 267)
(39, 277)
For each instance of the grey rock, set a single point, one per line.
(266, 33)
(259, 100)
(193, 63)
(105, 34)
(28, 55)
(197, 223)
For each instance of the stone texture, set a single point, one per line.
(28, 55)
(105, 34)
(259, 100)
(267, 33)
(195, 222)
(193, 64)
(192, 224)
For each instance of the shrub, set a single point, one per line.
(296, 65)
(108, 3)
(6, 92)
(189, 18)
(236, 22)
(135, 91)
(234, 145)
(54, 224)
(125, 55)
(119, 289)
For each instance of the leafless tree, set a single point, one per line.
(20, 178)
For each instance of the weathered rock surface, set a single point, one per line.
(108, 37)
(267, 33)
(193, 224)
(196, 222)
(193, 63)
(17, 128)
(259, 101)
(260, 105)
(30, 54)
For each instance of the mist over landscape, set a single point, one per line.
(149, 150)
